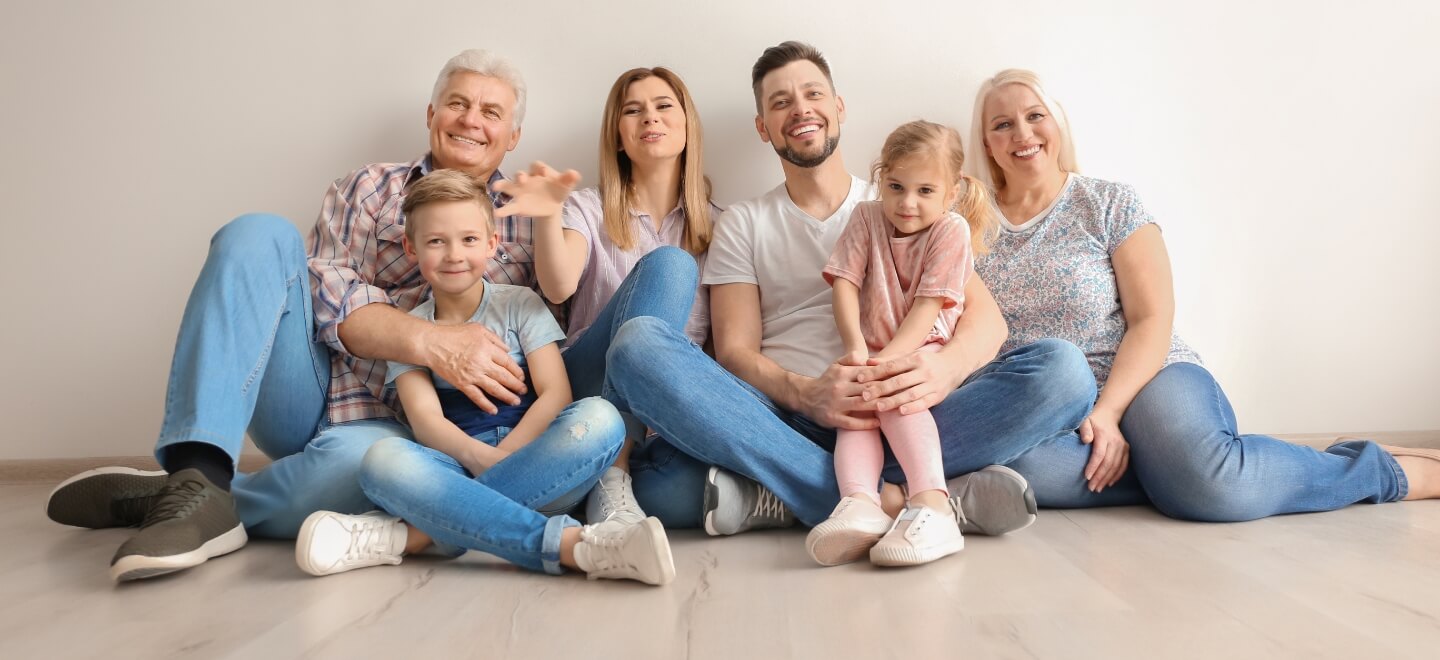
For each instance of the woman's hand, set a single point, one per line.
(539, 193)
(1109, 452)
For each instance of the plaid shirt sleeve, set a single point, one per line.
(341, 275)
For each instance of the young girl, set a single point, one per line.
(630, 248)
(899, 273)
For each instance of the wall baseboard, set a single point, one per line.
(55, 470)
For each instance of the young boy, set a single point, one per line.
(485, 481)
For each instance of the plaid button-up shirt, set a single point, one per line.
(356, 258)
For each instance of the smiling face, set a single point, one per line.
(800, 115)
(452, 245)
(915, 193)
(1021, 135)
(651, 122)
(473, 124)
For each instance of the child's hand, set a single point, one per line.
(854, 359)
(482, 457)
(539, 193)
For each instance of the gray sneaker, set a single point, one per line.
(993, 501)
(734, 504)
(105, 497)
(613, 498)
(191, 521)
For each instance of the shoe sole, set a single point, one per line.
(909, 556)
(664, 561)
(303, 542)
(834, 542)
(712, 502)
(60, 511)
(1015, 518)
(138, 567)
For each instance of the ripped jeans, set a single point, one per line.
(516, 509)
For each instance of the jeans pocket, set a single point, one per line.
(493, 436)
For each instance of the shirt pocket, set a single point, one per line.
(513, 263)
(392, 267)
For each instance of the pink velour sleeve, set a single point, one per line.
(947, 263)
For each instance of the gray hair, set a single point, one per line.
(486, 64)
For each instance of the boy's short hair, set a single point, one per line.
(446, 186)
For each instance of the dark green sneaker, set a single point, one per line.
(105, 497)
(191, 521)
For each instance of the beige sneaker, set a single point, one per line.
(613, 498)
(620, 551)
(920, 536)
(848, 534)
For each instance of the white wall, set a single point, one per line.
(1288, 148)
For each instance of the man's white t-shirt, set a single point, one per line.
(769, 242)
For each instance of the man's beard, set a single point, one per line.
(788, 153)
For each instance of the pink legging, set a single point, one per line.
(913, 438)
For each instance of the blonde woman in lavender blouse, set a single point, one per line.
(631, 247)
(1080, 259)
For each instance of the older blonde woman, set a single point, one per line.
(1080, 259)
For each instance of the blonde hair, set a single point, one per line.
(991, 173)
(942, 143)
(616, 183)
(446, 186)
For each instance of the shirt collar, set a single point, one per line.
(419, 168)
(498, 199)
(426, 165)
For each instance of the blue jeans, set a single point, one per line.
(1189, 459)
(246, 359)
(710, 417)
(661, 285)
(515, 510)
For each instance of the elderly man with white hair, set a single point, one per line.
(288, 339)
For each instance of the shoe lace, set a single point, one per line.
(616, 499)
(606, 555)
(132, 508)
(175, 500)
(960, 516)
(768, 506)
(368, 540)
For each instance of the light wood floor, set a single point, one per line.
(1363, 582)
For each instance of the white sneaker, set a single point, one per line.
(332, 542)
(847, 535)
(626, 552)
(613, 499)
(920, 536)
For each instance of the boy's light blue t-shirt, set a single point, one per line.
(522, 320)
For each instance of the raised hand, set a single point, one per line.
(538, 193)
